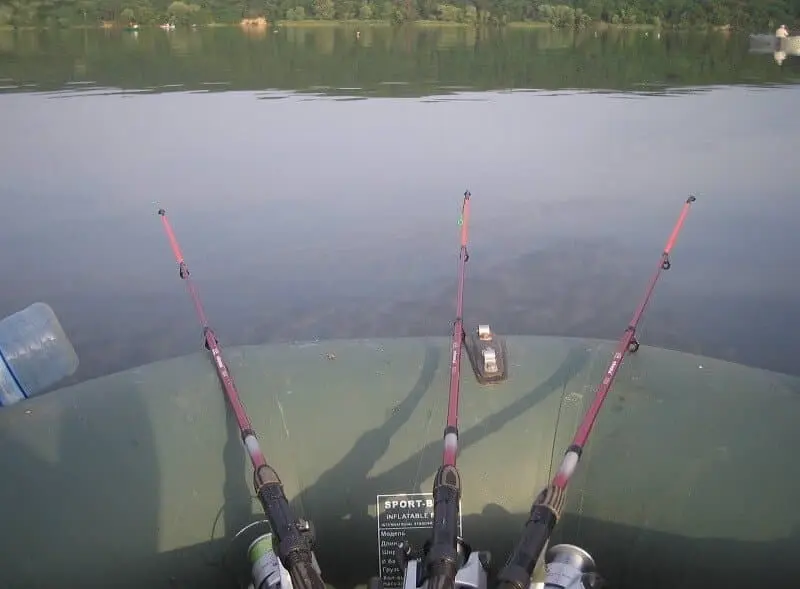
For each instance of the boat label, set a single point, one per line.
(402, 517)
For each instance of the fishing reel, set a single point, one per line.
(256, 562)
(569, 567)
(267, 571)
(473, 566)
(566, 567)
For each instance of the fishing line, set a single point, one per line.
(549, 504)
(294, 539)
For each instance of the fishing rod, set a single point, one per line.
(444, 554)
(548, 505)
(294, 538)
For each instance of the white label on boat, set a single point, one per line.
(402, 517)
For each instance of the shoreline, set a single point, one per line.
(314, 23)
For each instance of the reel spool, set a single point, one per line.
(570, 567)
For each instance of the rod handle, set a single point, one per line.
(294, 545)
(305, 575)
(517, 572)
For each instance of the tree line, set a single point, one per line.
(752, 15)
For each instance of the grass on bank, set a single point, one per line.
(322, 23)
(530, 24)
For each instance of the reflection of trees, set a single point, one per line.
(297, 36)
(301, 57)
(325, 40)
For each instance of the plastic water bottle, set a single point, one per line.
(35, 353)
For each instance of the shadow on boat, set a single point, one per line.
(109, 493)
(88, 477)
(359, 491)
(627, 556)
(88, 481)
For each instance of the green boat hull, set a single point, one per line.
(138, 479)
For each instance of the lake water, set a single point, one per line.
(314, 181)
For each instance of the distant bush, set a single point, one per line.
(560, 16)
(365, 11)
(450, 13)
(753, 15)
(324, 9)
(296, 13)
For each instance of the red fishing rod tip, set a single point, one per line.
(162, 212)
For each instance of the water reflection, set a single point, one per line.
(779, 48)
(429, 60)
(305, 217)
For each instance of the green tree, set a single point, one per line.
(594, 9)
(365, 11)
(179, 9)
(324, 9)
(6, 14)
(386, 10)
(450, 13)
(346, 9)
(750, 15)
(470, 14)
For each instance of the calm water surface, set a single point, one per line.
(314, 181)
